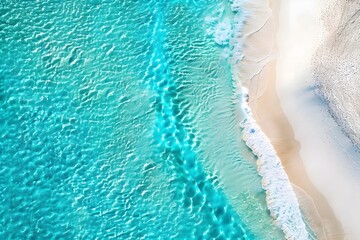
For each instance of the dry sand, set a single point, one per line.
(336, 64)
(329, 157)
(267, 110)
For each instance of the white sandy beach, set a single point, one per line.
(329, 157)
(318, 158)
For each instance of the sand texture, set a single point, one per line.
(329, 158)
(267, 109)
(336, 65)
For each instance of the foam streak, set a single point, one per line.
(280, 198)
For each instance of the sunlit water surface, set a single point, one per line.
(120, 119)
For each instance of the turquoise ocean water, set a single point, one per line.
(120, 120)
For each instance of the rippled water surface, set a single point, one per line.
(120, 120)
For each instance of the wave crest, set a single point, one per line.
(280, 197)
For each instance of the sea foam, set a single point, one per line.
(280, 197)
(251, 16)
(248, 17)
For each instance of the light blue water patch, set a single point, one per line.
(107, 115)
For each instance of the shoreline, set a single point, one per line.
(280, 197)
(267, 111)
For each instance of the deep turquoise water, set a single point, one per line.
(119, 120)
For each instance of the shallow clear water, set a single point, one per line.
(119, 119)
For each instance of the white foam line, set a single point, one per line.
(280, 197)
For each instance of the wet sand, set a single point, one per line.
(268, 112)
